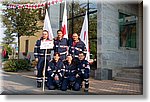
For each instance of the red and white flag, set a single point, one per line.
(84, 36)
(47, 26)
(64, 23)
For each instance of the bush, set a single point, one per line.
(15, 65)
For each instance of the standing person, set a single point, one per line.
(70, 74)
(83, 71)
(56, 71)
(39, 55)
(60, 45)
(5, 54)
(76, 46)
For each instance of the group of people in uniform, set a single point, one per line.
(68, 69)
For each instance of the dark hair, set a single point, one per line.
(76, 33)
(78, 36)
(82, 53)
(74, 62)
(46, 31)
(59, 30)
(70, 55)
(56, 53)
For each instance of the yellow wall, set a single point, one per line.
(32, 41)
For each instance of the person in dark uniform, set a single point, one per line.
(61, 45)
(56, 71)
(70, 74)
(76, 46)
(83, 71)
(39, 55)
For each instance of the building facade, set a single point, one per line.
(116, 22)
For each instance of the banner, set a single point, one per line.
(33, 6)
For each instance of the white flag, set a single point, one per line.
(47, 26)
(64, 23)
(84, 36)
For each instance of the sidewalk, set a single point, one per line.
(97, 87)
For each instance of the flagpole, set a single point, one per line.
(44, 70)
(46, 6)
(88, 8)
(72, 16)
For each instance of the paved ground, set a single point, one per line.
(24, 83)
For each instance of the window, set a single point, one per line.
(127, 27)
(26, 45)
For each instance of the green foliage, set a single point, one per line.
(93, 33)
(93, 26)
(15, 65)
(93, 48)
(9, 37)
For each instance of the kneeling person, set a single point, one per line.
(55, 70)
(83, 71)
(70, 74)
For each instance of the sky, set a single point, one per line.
(1, 25)
(1, 31)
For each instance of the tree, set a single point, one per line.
(23, 22)
(9, 37)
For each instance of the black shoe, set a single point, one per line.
(69, 88)
(86, 90)
(39, 85)
(58, 86)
